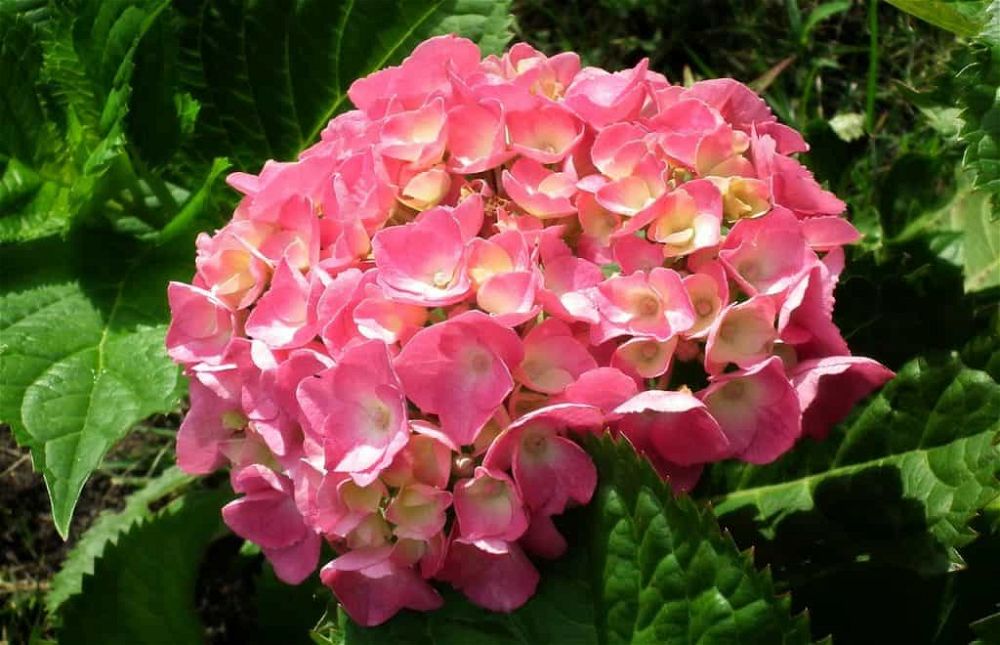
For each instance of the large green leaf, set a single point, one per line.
(896, 484)
(82, 357)
(643, 567)
(105, 532)
(142, 588)
(270, 74)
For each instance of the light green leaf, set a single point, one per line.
(962, 17)
(897, 483)
(105, 532)
(81, 350)
(964, 231)
(643, 567)
(980, 229)
(142, 588)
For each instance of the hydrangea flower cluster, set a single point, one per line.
(394, 340)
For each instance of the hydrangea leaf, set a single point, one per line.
(897, 483)
(285, 614)
(65, 85)
(269, 75)
(142, 588)
(105, 531)
(82, 357)
(978, 94)
(643, 567)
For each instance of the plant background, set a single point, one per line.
(113, 138)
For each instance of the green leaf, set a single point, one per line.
(823, 12)
(897, 483)
(33, 193)
(82, 356)
(142, 588)
(962, 17)
(105, 531)
(195, 206)
(643, 567)
(981, 240)
(269, 75)
(987, 630)
(911, 293)
(962, 230)
(978, 95)
(285, 613)
(65, 86)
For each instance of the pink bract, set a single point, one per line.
(399, 338)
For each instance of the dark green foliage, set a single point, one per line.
(142, 589)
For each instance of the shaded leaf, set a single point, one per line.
(142, 588)
(269, 75)
(105, 531)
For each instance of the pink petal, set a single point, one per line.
(757, 409)
(373, 589)
(828, 388)
(495, 581)
(675, 426)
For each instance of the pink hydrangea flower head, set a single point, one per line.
(398, 342)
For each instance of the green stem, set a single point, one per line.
(872, 65)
